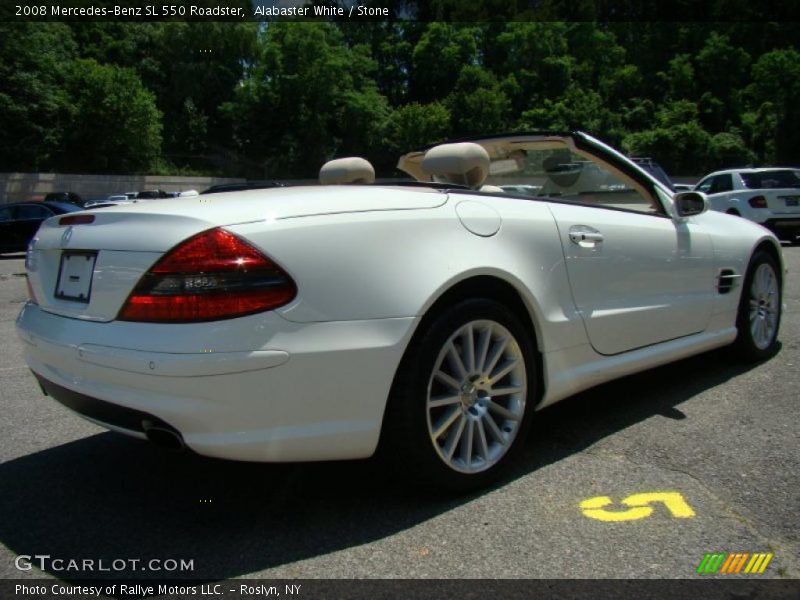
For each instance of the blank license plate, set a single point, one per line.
(75, 276)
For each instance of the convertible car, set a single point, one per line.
(429, 318)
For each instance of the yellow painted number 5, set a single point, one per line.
(639, 506)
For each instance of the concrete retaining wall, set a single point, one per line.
(16, 187)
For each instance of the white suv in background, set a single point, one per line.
(769, 196)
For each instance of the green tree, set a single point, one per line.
(115, 125)
(678, 81)
(578, 108)
(728, 149)
(414, 125)
(722, 72)
(195, 70)
(477, 103)
(678, 141)
(533, 63)
(307, 98)
(775, 113)
(438, 57)
(34, 105)
(120, 43)
(390, 45)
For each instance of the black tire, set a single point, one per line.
(756, 305)
(409, 438)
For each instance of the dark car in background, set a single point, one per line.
(70, 197)
(152, 195)
(20, 221)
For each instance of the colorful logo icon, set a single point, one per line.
(724, 563)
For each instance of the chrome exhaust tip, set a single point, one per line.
(163, 436)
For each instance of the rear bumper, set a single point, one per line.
(113, 416)
(305, 392)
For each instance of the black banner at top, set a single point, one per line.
(399, 10)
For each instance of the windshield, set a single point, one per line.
(550, 165)
(760, 180)
(548, 169)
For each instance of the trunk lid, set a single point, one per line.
(87, 271)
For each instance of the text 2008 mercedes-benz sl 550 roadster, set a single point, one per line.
(432, 317)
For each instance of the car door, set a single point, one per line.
(638, 277)
(719, 190)
(721, 196)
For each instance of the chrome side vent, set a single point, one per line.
(726, 280)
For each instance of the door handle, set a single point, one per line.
(585, 236)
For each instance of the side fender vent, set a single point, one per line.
(726, 280)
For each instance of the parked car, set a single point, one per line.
(432, 317)
(19, 221)
(70, 197)
(153, 194)
(767, 196)
(113, 200)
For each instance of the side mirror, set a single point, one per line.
(689, 204)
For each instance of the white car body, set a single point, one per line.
(776, 207)
(311, 380)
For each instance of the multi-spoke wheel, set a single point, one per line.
(461, 402)
(476, 396)
(759, 309)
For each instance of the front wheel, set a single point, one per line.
(759, 315)
(462, 400)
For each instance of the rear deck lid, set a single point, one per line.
(86, 270)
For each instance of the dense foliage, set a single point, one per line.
(276, 100)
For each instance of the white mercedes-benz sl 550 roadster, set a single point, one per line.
(431, 316)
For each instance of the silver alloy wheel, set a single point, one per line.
(476, 396)
(764, 306)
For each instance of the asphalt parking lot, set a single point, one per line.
(712, 445)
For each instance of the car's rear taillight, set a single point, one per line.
(758, 202)
(213, 275)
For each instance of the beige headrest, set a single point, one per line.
(463, 163)
(346, 170)
(491, 188)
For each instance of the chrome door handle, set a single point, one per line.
(584, 236)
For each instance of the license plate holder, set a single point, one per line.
(75, 276)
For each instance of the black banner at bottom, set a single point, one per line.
(411, 589)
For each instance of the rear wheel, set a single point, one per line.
(759, 313)
(463, 396)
